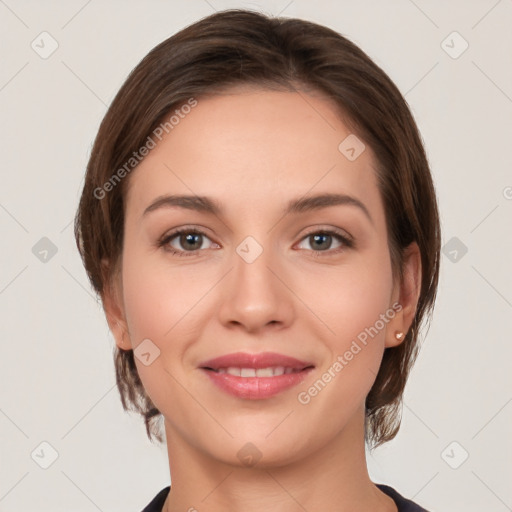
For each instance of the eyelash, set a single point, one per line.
(348, 242)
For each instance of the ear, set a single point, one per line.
(405, 296)
(114, 311)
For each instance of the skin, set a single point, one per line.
(253, 150)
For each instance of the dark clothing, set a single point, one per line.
(403, 504)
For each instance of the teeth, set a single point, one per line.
(259, 372)
(263, 372)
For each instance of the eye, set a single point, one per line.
(188, 241)
(184, 241)
(322, 241)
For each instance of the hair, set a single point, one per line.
(240, 47)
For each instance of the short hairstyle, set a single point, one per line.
(241, 47)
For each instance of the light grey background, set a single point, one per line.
(56, 369)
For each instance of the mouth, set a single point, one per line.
(256, 376)
(263, 361)
(270, 371)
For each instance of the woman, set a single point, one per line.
(233, 152)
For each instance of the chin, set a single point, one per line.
(260, 450)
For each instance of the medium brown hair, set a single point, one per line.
(240, 47)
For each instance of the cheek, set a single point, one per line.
(157, 297)
(160, 302)
(353, 308)
(354, 303)
(352, 297)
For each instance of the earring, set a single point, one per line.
(399, 335)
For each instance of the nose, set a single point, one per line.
(256, 295)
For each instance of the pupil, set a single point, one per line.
(318, 238)
(190, 239)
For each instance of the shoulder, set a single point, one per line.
(158, 501)
(403, 504)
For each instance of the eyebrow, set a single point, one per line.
(205, 204)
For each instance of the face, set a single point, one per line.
(260, 266)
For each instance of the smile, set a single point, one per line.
(255, 376)
(257, 372)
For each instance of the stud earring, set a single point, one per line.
(399, 335)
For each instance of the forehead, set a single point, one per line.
(255, 148)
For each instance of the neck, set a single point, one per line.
(334, 477)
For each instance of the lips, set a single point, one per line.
(256, 361)
(255, 376)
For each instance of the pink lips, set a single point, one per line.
(262, 360)
(255, 388)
